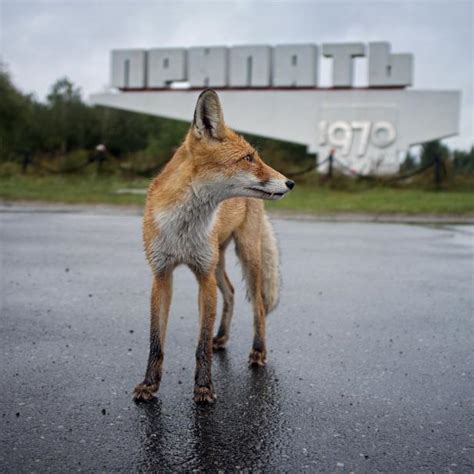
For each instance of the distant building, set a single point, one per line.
(273, 92)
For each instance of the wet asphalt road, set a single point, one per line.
(370, 365)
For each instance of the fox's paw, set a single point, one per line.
(144, 392)
(219, 343)
(204, 394)
(257, 358)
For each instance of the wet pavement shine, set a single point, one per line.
(370, 354)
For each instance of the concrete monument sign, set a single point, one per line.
(274, 92)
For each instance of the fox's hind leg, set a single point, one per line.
(227, 290)
(160, 305)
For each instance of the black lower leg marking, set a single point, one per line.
(258, 344)
(203, 365)
(155, 361)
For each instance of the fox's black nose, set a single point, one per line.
(290, 183)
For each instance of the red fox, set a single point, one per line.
(207, 195)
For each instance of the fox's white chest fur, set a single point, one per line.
(183, 234)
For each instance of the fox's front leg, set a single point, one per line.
(203, 389)
(160, 304)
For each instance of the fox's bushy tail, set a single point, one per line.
(270, 266)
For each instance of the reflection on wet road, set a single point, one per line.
(244, 428)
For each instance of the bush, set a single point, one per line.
(9, 169)
(75, 160)
(463, 161)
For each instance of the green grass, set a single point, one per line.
(377, 200)
(307, 198)
(71, 189)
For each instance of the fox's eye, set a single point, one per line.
(248, 158)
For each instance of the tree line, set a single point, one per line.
(64, 126)
(65, 129)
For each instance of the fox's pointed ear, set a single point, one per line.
(208, 117)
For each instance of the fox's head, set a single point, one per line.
(225, 160)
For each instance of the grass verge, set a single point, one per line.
(71, 189)
(306, 197)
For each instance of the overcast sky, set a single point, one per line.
(41, 41)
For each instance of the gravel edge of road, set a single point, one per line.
(108, 209)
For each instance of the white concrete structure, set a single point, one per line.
(166, 66)
(295, 65)
(273, 92)
(387, 69)
(129, 68)
(343, 56)
(250, 66)
(208, 66)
